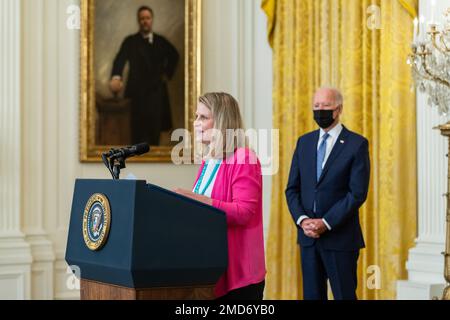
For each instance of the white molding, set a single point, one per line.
(247, 64)
(425, 263)
(42, 281)
(33, 148)
(15, 271)
(15, 283)
(33, 123)
(261, 115)
(10, 109)
(62, 278)
(14, 251)
(42, 268)
(15, 257)
(410, 290)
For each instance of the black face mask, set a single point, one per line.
(324, 118)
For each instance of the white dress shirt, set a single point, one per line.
(331, 141)
(210, 165)
(149, 37)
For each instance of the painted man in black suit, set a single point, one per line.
(153, 61)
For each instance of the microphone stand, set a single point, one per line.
(114, 160)
(114, 164)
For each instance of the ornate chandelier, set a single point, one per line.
(430, 62)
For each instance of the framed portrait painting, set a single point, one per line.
(140, 74)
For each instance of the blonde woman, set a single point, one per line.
(230, 179)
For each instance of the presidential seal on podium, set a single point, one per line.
(96, 221)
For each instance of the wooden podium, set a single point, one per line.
(91, 290)
(135, 241)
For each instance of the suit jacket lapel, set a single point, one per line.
(337, 149)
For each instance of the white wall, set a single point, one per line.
(425, 262)
(15, 254)
(45, 107)
(238, 60)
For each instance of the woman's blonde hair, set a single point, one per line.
(227, 121)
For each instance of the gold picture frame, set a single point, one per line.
(89, 151)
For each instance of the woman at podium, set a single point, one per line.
(230, 179)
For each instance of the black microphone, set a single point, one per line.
(125, 153)
(114, 160)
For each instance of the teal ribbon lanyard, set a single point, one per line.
(200, 180)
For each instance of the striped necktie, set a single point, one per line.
(321, 155)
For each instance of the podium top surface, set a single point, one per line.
(156, 237)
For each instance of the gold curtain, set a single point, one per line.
(362, 50)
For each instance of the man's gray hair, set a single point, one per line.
(338, 98)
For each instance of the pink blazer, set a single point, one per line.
(238, 192)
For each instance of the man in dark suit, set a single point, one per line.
(328, 183)
(153, 60)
